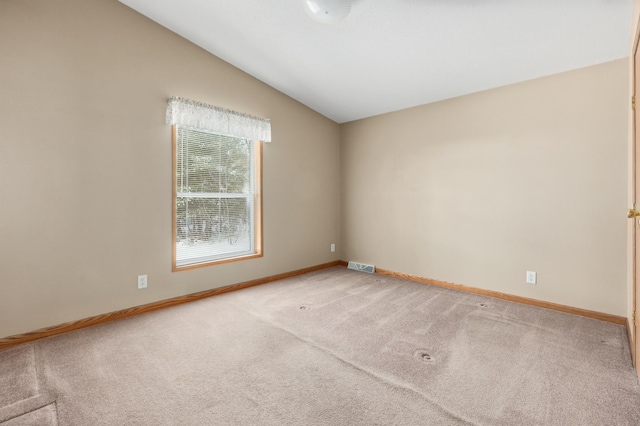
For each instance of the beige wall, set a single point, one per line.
(85, 163)
(473, 190)
(479, 189)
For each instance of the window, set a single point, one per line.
(217, 194)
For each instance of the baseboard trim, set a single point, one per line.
(509, 297)
(632, 345)
(19, 339)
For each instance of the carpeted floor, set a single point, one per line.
(334, 347)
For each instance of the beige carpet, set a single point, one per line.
(334, 347)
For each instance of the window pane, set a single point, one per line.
(215, 193)
(209, 163)
(213, 228)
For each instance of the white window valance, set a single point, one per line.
(201, 116)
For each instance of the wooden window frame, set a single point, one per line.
(257, 202)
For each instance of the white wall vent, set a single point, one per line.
(362, 267)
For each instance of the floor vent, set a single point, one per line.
(362, 267)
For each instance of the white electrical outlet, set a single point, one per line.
(142, 281)
(532, 277)
(333, 248)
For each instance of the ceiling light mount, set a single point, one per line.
(327, 11)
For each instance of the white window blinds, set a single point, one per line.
(215, 190)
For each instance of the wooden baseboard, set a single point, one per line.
(19, 339)
(632, 345)
(511, 298)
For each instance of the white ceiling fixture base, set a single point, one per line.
(327, 11)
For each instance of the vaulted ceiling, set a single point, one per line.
(393, 54)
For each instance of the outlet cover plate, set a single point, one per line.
(142, 281)
(532, 277)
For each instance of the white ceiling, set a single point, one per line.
(393, 54)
